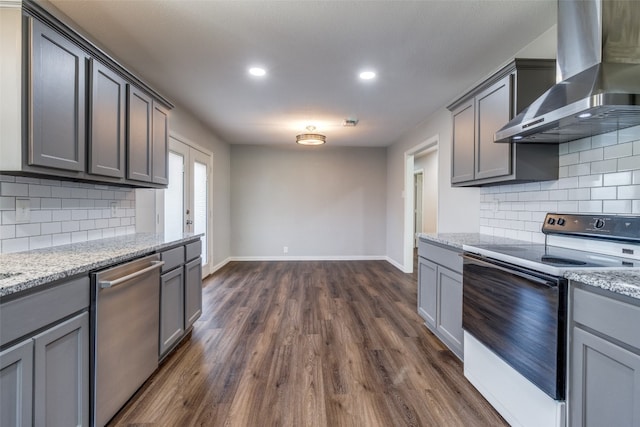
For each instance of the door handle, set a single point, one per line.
(114, 283)
(189, 222)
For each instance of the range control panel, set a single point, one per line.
(611, 227)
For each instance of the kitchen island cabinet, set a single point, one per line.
(604, 366)
(440, 293)
(478, 114)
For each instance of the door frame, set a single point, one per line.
(181, 139)
(409, 155)
(418, 216)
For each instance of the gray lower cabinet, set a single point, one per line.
(61, 374)
(44, 362)
(604, 364)
(478, 114)
(107, 120)
(57, 114)
(171, 308)
(16, 385)
(193, 291)
(440, 293)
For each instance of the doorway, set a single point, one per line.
(187, 206)
(409, 238)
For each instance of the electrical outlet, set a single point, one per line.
(23, 210)
(285, 250)
(114, 209)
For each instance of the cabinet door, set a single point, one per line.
(493, 110)
(139, 135)
(61, 374)
(171, 308)
(449, 321)
(160, 144)
(16, 387)
(463, 145)
(193, 292)
(427, 289)
(605, 383)
(106, 145)
(57, 107)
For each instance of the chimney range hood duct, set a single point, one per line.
(598, 70)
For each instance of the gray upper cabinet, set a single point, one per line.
(160, 148)
(139, 144)
(463, 142)
(108, 103)
(57, 135)
(478, 114)
(74, 103)
(604, 359)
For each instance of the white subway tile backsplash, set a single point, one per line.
(14, 189)
(618, 178)
(604, 193)
(617, 206)
(618, 150)
(629, 192)
(62, 212)
(629, 163)
(605, 166)
(590, 206)
(600, 174)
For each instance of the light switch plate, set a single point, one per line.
(23, 210)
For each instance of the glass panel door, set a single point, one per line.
(187, 198)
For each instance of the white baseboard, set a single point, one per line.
(397, 265)
(312, 258)
(219, 265)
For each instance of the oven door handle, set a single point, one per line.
(522, 274)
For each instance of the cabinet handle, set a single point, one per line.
(114, 283)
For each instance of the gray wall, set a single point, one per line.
(321, 202)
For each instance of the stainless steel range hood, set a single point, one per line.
(598, 71)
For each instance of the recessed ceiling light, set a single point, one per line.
(367, 75)
(257, 71)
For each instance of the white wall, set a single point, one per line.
(428, 164)
(320, 202)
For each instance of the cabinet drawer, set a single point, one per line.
(29, 313)
(609, 315)
(445, 256)
(172, 258)
(194, 249)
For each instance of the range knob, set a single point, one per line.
(551, 221)
(561, 221)
(599, 223)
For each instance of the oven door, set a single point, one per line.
(520, 315)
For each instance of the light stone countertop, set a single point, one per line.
(457, 240)
(38, 267)
(621, 281)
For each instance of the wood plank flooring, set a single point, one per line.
(309, 344)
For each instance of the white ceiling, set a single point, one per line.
(426, 53)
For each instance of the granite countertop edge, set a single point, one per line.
(620, 281)
(38, 267)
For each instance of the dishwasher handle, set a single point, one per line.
(113, 283)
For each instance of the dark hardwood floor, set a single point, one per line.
(309, 344)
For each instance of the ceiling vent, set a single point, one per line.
(349, 123)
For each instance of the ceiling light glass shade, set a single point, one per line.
(311, 139)
(257, 71)
(367, 75)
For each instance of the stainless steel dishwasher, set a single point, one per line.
(125, 324)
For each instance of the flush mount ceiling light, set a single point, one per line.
(311, 138)
(257, 71)
(367, 75)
